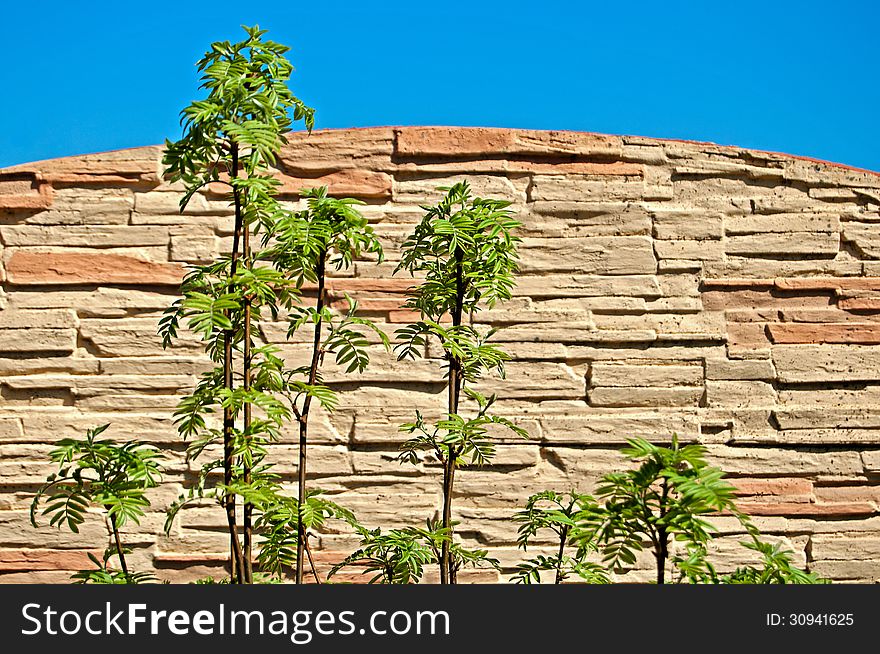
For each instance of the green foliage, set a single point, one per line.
(464, 251)
(557, 513)
(248, 109)
(279, 524)
(666, 500)
(102, 573)
(776, 567)
(231, 139)
(397, 557)
(95, 472)
(400, 555)
(462, 237)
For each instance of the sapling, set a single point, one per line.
(396, 557)
(776, 566)
(666, 498)
(231, 139)
(557, 513)
(466, 252)
(400, 555)
(326, 236)
(95, 472)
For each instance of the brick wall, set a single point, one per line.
(728, 295)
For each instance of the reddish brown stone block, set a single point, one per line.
(38, 559)
(747, 335)
(24, 191)
(866, 334)
(342, 183)
(836, 509)
(757, 299)
(790, 487)
(132, 166)
(827, 283)
(43, 268)
(476, 141)
(860, 304)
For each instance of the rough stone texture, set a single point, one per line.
(726, 295)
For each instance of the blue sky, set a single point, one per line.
(797, 77)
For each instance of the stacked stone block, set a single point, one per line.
(729, 296)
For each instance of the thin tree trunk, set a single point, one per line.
(119, 551)
(662, 537)
(312, 561)
(304, 419)
(237, 573)
(562, 538)
(248, 508)
(447, 575)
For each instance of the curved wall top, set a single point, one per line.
(728, 295)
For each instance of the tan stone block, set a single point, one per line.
(743, 460)
(57, 341)
(864, 237)
(739, 394)
(92, 236)
(871, 461)
(132, 337)
(49, 365)
(852, 437)
(45, 319)
(845, 547)
(417, 189)
(805, 243)
(679, 224)
(550, 286)
(751, 266)
(100, 302)
(327, 150)
(863, 571)
(590, 219)
(10, 429)
(193, 249)
(164, 365)
(558, 332)
(163, 202)
(690, 250)
(613, 428)
(781, 223)
(534, 380)
(826, 363)
(745, 370)
(586, 188)
(834, 418)
(645, 396)
(643, 374)
(624, 255)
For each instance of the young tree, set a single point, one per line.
(466, 251)
(93, 472)
(232, 138)
(667, 497)
(557, 513)
(328, 235)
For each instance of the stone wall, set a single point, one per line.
(728, 295)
